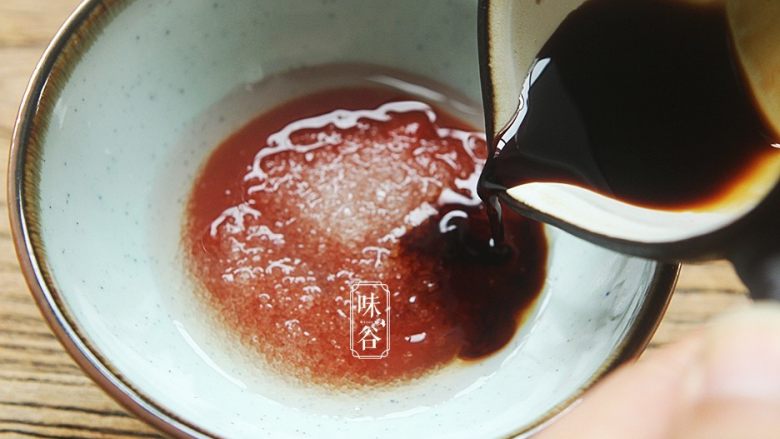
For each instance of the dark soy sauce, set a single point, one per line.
(643, 101)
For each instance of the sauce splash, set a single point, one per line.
(357, 184)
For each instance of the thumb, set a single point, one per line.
(722, 382)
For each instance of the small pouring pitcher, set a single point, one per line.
(512, 32)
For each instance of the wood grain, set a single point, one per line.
(43, 394)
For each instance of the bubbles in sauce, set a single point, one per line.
(349, 184)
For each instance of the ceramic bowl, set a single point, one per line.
(100, 172)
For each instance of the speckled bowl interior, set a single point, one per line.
(123, 110)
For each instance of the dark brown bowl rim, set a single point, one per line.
(90, 14)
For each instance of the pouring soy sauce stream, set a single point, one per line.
(649, 127)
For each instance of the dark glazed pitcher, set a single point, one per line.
(745, 229)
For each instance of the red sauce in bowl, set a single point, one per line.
(357, 184)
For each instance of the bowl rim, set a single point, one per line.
(71, 41)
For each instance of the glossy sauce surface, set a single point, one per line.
(357, 184)
(643, 101)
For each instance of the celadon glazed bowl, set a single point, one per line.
(123, 109)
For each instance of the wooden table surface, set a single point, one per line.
(43, 393)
